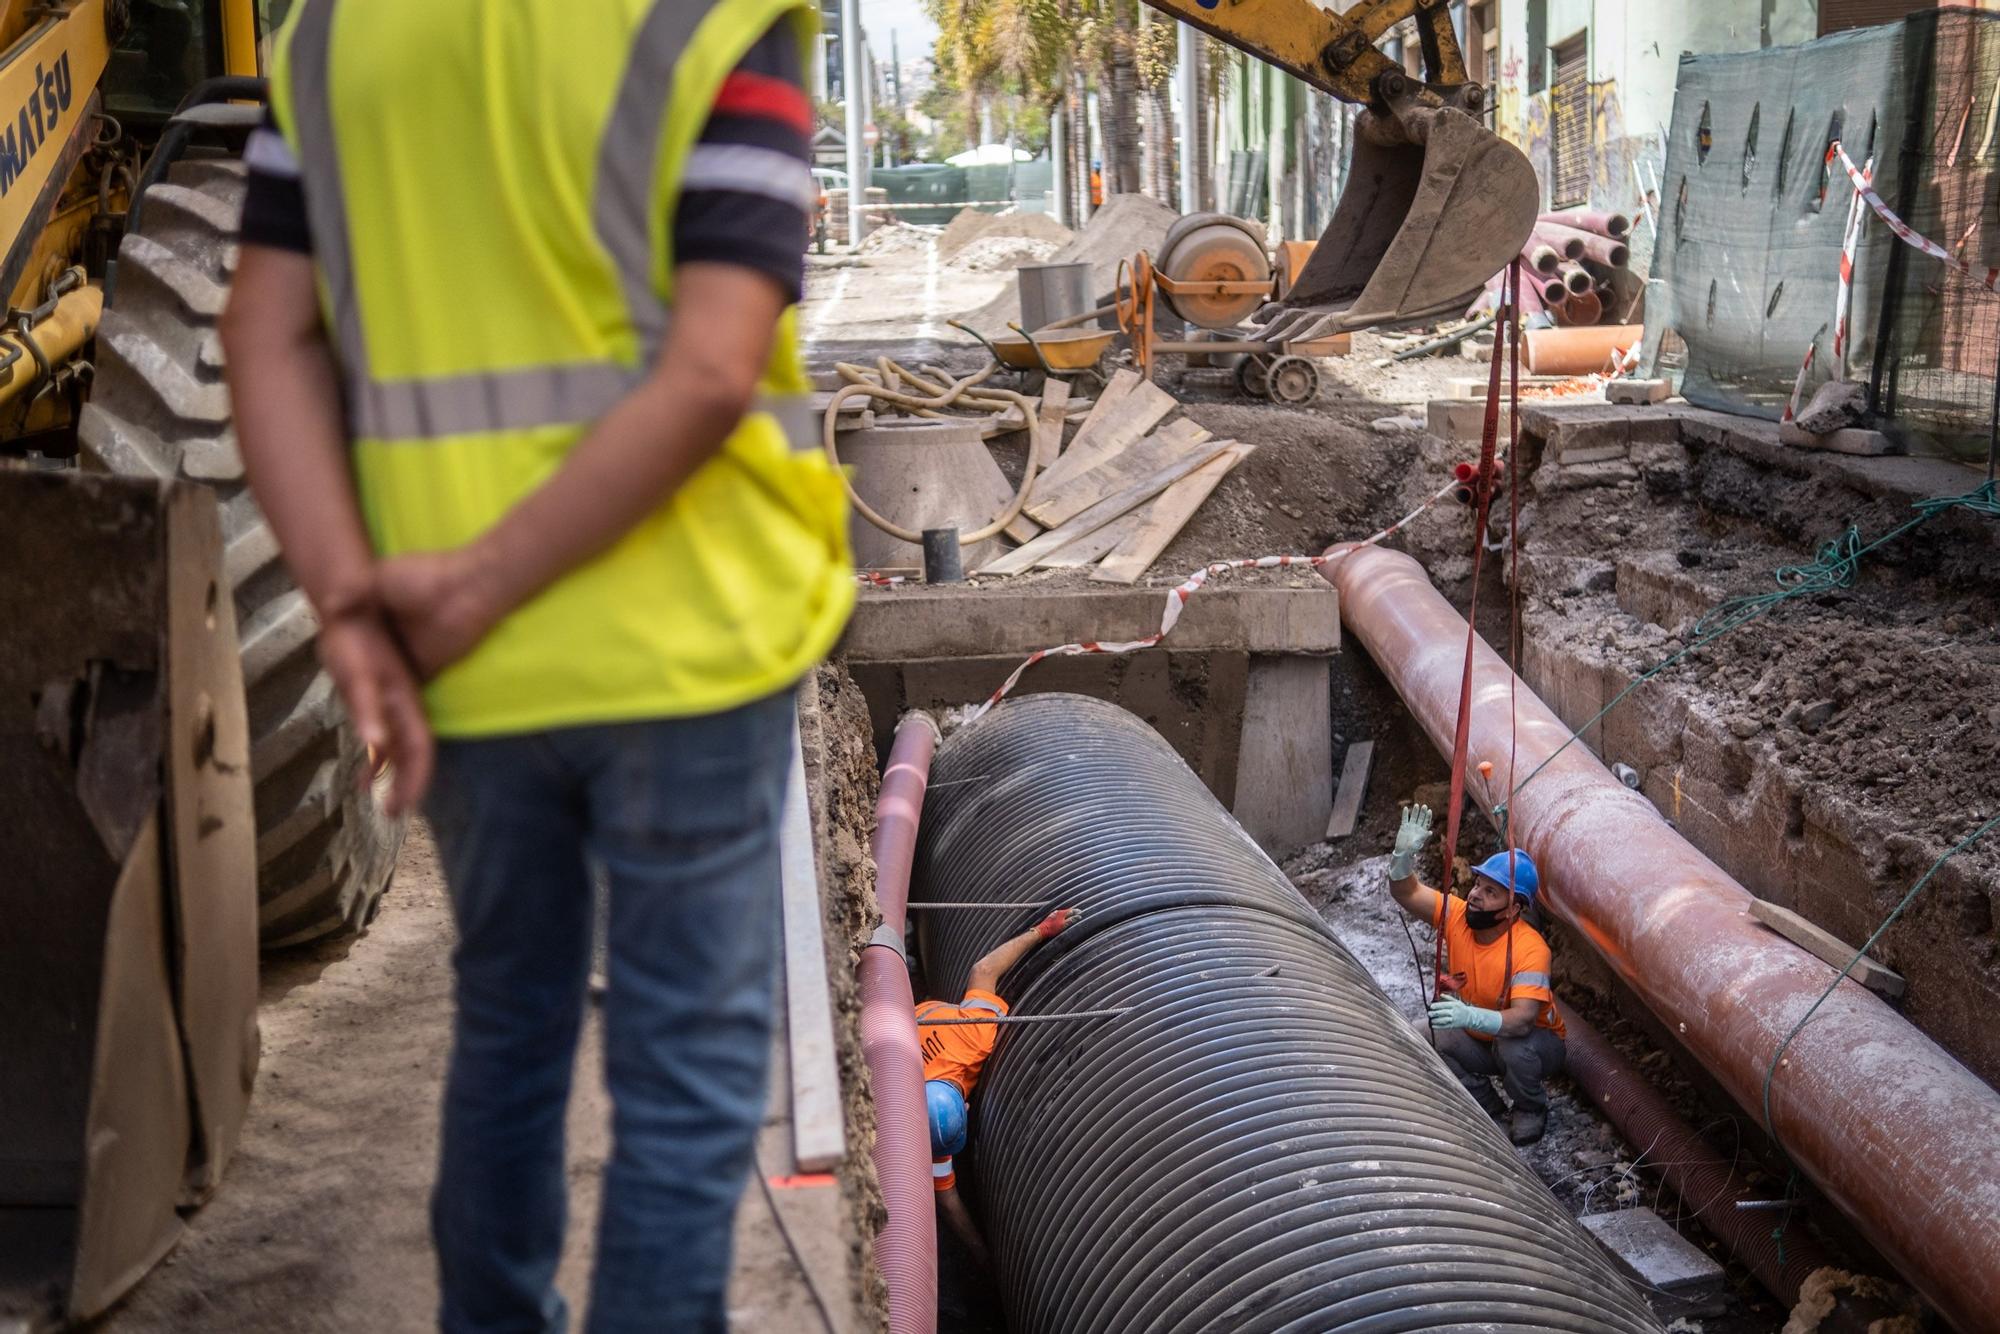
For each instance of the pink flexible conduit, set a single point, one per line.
(906, 1249)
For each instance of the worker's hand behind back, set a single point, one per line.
(1411, 835)
(1056, 921)
(441, 603)
(383, 702)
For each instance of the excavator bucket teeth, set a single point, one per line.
(1426, 219)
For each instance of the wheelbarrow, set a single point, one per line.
(1063, 353)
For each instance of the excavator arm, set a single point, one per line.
(1434, 205)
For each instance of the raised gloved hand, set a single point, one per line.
(1411, 835)
(1449, 1012)
(1054, 923)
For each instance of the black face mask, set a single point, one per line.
(1482, 919)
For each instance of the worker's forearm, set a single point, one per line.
(986, 974)
(1409, 894)
(290, 429)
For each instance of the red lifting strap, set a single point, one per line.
(1482, 494)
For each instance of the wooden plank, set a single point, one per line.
(1055, 402)
(1162, 520)
(1129, 418)
(1141, 458)
(1122, 383)
(819, 1135)
(1104, 511)
(1353, 789)
(1048, 444)
(1870, 972)
(1095, 546)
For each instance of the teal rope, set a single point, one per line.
(1835, 566)
(1778, 1233)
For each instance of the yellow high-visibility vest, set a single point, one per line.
(491, 188)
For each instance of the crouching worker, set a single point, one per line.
(955, 1053)
(1496, 1014)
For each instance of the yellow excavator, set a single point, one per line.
(1435, 203)
(177, 782)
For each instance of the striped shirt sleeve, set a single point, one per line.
(748, 195)
(274, 206)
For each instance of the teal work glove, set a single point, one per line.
(1411, 835)
(1449, 1012)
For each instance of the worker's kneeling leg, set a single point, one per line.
(685, 816)
(1525, 1063)
(1474, 1063)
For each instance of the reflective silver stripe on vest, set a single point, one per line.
(1529, 980)
(480, 402)
(628, 160)
(326, 206)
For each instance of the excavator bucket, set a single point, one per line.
(1435, 205)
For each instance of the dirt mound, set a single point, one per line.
(971, 226)
(895, 239)
(992, 254)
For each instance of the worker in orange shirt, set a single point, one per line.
(954, 1054)
(1096, 185)
(1495, 1013)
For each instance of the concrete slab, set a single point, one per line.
(1284, 760)
(1463, 419)
(1677, 1277)
(1638, 391)
(904, 623)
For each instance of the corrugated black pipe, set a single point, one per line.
(1263, 1143)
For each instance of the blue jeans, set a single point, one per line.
(683, 817)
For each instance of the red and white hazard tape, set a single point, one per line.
(1987, 278)
(1177, 599)
(1864, 191)
(1849, 240)
(879, 580)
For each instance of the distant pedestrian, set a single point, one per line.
(518, 384)
(1497, 1015)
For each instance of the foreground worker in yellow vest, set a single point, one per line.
(516, 382)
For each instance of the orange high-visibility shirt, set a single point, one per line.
(957, 1053)
(1481, 972)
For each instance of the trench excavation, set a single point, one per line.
(1262, 1142)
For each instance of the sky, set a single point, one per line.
(906, 18)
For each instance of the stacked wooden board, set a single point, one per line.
(1125, 486)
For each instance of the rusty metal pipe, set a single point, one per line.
(906, 1248)
(1901, 1138)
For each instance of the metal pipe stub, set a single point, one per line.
(1262, 1142)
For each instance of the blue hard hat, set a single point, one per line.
(1520, 876)
(946, 1106)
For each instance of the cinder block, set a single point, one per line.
(1638, 391)
(1678, 1277)
(1463, 419)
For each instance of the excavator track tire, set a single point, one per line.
(159, 408)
